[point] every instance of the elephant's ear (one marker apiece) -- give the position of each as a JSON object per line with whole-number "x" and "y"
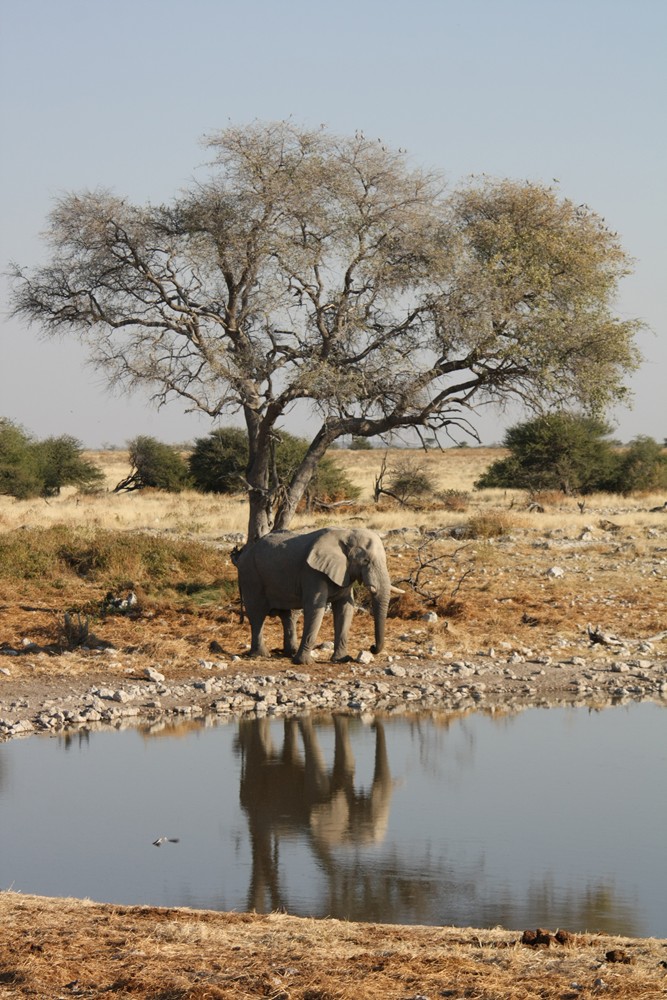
{"x": 328, "y": 557}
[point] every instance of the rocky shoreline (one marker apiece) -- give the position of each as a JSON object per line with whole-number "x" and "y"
{"x": 496, "y": 680}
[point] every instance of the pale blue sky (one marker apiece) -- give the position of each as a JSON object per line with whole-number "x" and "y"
{"x": 118, "y": 93}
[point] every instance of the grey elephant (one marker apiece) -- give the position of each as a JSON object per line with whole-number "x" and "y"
{"x": 284, "y": 571}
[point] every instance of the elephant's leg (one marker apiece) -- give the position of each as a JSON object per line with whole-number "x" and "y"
{"x": 318, "y": 780}
{"x": 344, "y": 763}
{"x": 290, "y": 644}
{"x": 258, "y": 646}
{"x": 343, "y": 611}
{"x": 312, "y": 621}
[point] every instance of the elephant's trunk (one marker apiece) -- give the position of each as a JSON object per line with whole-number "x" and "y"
{"x": 379, "y": 604}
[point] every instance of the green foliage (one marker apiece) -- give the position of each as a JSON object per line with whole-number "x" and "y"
{"x": 30, "y": 468}
{"x": 642, "y": 467}
{"x": 155, "y": 465}
{"x": 218, "y": 465}
{"x": 561, "y": 451}
{"x": 61, "y": 463}
{"x": 19, "y": 476}
{"x": 360, "y": 444}
{"x": 569, "y": 452}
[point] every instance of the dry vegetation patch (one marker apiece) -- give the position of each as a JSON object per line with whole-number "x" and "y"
{"x": 169, "y": 954}
{"x": 485, "y": 569}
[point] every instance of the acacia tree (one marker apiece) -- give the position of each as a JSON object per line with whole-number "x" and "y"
{"x": 310, "y": 267}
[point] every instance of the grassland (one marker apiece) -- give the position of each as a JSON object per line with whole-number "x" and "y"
{"x": 481, "y": 560}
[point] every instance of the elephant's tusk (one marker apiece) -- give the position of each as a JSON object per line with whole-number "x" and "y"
{"x": 373, "y": 589}
{"x": 395, "y": 590}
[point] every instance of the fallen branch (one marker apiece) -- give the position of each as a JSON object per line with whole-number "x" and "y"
{"x": 332, "y": 506}
{"x": 596, "y": 635}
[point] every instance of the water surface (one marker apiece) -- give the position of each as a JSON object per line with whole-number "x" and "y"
{"x": 550, "y": 818}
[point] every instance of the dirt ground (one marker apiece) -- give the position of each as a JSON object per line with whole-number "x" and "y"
{"x": 567, "y": 606}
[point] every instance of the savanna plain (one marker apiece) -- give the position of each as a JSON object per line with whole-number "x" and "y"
{"x": 552, "y": 599}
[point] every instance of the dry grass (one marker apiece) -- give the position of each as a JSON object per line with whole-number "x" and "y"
{"x": 173, "y": 954}
{"x": 489, "y": 581}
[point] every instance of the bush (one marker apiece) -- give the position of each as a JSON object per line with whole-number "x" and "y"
{"x": 455, "y": 500}
{"x": 360, "y": 444}
{"x": 218, "y": 465}
{"x": 642, "y": 467}
{"x": 61, "y": 463}
{"x": 30, "y": 468}
{"x": 155, "y": 465}
{"x": 559, "y": 451}
{"x": 410, "y": 480}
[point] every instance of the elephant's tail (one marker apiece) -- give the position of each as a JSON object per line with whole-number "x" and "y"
{"x": 234, "y": 556}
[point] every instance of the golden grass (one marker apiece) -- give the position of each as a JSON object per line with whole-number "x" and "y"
{"x": 486, "y": 583}
{"x": 209, "y": 516}
{"x": 173, "y": 954}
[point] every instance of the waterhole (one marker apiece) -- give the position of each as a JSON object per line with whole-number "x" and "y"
{"x": 546, "y": 817}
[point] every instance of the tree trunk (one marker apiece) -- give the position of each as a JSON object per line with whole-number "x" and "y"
{"x": 259, "y": 514}
{"x": 258, "y": 478}
{"x": 301, "y": 479}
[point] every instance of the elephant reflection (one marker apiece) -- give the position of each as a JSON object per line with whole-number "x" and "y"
{"x": 290, "y": 791}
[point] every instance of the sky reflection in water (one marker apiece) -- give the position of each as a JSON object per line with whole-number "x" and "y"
{"x": 550, "y": 818}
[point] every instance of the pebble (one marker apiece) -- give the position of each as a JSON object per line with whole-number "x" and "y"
{"x": 418, "y": 684}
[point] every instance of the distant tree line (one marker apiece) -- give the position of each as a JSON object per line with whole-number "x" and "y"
{"x": 218, "y": 464}
{"x": 562, "y": 451}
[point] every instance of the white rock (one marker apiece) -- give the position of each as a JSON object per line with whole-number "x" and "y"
{"x": 555, "y": 572}
{"x": 396, "y": 670}
{"x": 153, "y": 675}
{"x": 121, "y": 696}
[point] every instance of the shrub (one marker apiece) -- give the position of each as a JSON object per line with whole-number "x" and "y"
{"x": 30, "y": 468}
{"x": 561, "y": 451}
{"x": 410, "y": 480}
{"x": 454, "y": 500}
{"x": 218, "y": 465}
{"x": 642, "y": 467}
{"x": 61, "y": 463}
{"x": 493, "y": 524}
{"x": 155, "y": 465}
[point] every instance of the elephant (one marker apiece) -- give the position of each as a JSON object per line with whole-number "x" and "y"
{"x": 285, "y": 571}
{"x": 287, "y": 791}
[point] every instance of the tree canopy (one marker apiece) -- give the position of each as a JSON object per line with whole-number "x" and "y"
{"x": 315, "y": 268}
